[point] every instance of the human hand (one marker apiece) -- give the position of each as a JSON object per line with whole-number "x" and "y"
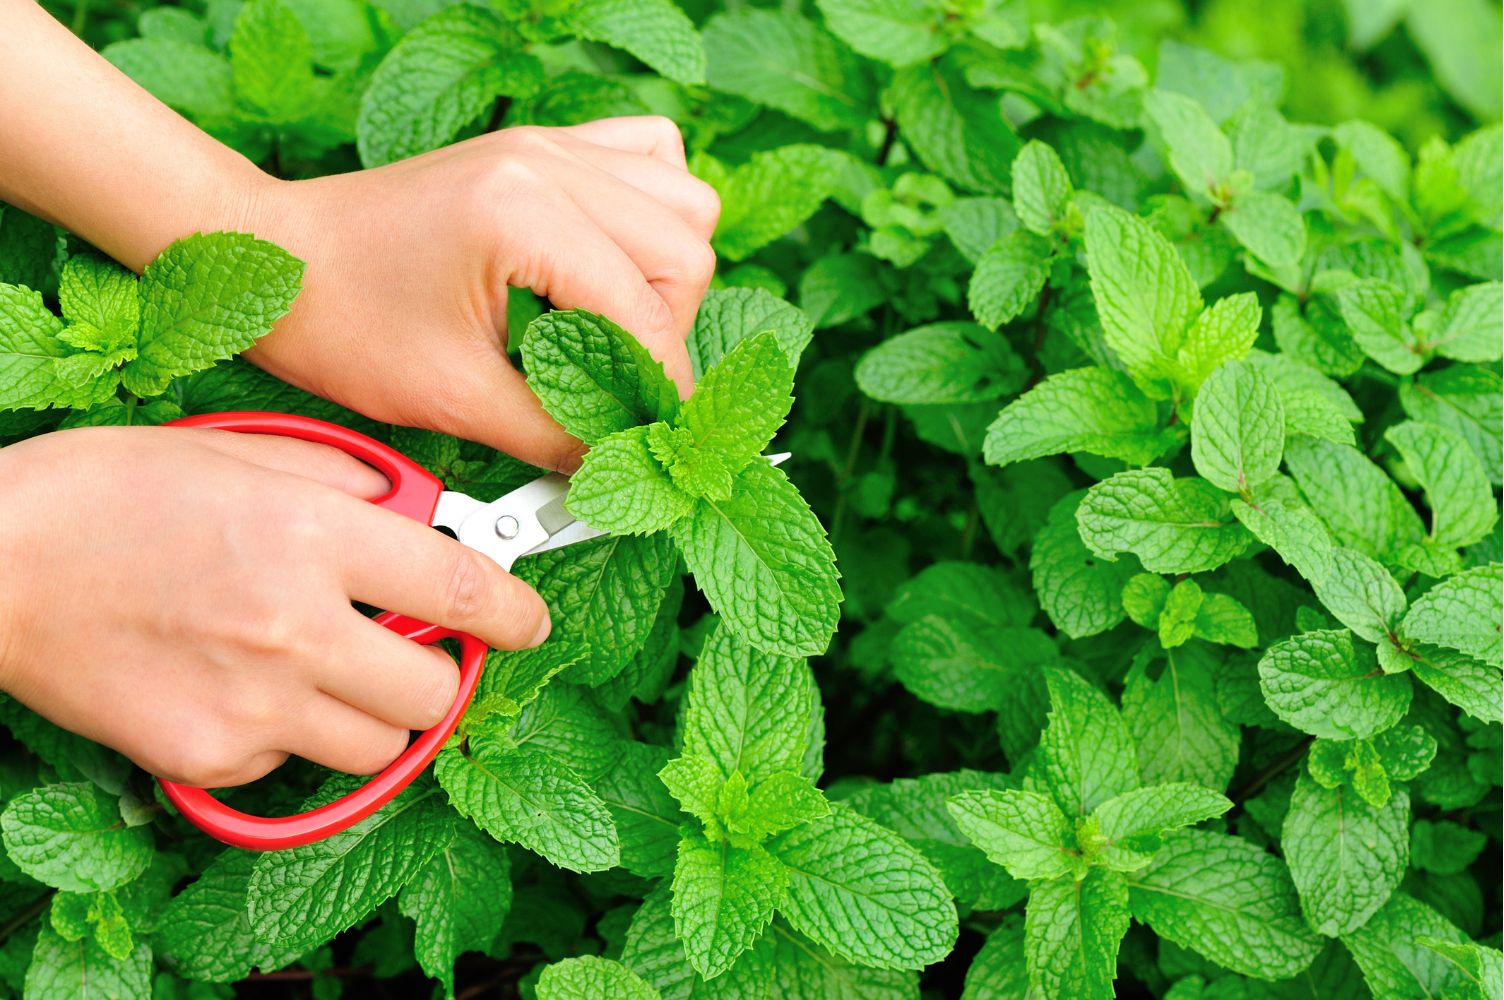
{"x": 184, "y": 597}
{"x": 403, "y": 310}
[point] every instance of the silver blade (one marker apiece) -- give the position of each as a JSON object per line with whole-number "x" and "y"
{"x": 528, "y": 520}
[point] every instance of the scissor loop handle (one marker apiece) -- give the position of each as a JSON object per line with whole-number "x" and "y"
{"x": 414, "y": 492}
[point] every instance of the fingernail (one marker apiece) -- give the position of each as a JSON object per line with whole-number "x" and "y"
{"x": 544, "y": 627}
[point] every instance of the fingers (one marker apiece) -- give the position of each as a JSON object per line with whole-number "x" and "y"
{"x": 686, "y": 195}
{"x": 582, "y": 267}
{"x": 407, "y": 567}
{"x": 384, "y": 675}
{"x": 649, "y": 135}
{"x": 318, "y": 462}
{"x": 523, "y": 428}
{"x": 344, "y": 738}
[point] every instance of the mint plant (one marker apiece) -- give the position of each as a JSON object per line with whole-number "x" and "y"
{"x": 1148, "y": 400}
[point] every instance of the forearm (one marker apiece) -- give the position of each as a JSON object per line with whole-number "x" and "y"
{"x": 85, "y": 147}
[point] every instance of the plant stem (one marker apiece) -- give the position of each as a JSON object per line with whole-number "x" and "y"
{"x": 1274, "y": 770}
{"x": 890, "y": 136}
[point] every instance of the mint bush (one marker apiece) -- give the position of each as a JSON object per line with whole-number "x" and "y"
{"x": 1151, "y": 402}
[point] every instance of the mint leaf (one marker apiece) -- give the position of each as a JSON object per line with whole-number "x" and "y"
{"x": 774, "y": 192}
{"x": 1345, "y": 856}
{"x": 621, "y": 488}
{"x": 1238, "y": 434}
{"x": 204, "y": 298}
{"x": 1072, "y": 931}
{"x": 728, "y": 316}
{"x": 1395, "y": 963}
{"x": 1042, "y": 189}
{"x": 205, "y": 931}
{"x": 590, "y": 976}
{"x": 646, "y": 816}
{"x": 1460, "y": 613}
{"x": 1085, "y": 756}
{"x": 957, "y": 131}
{"x": 741, "y": 402}
{"x": 38, "y": 369}
{"x": 82, "y": 968}
{"x": 185, "y": 76}
{"x": 1025, "y": 832}
{"x": 1470, "y": 684}
{"x": 1470, "y": 328}
{"x": 1172, "y": 525}
{"x": 1357, "y": 501}
{"x": 1200, "y": 154}
{"x": 302, "y": 897}
{"x": 1177, "y": 722}
{"x": 1226, "y": 899}
{"x": 783, "y": 60}
{"x": 949, "y": 362}
{"x": 1144, "y": 294}
{"x": 1374, "y": 311}
{"x": 1324, "y": 684}
{"x": 724, "y": 898}
{"x": 593, "y": 377}
{"x": 1457, "y": 489}
{"x": 655, "y": 31}
{"x": 896, "y": 33}
{"x": 1094, "y": 410}
{"x": 965, "y": 667}
{"x": 528, "y": 797}
{"x": 458, "y": 900}
{"x": 764, "y": 564}
{"x": 100, "y": 297}
{"x": 747, "y": 711}
{"x": 1268, "y": 226}
{"x": 863, "y": 892}
{"x": 1008, "y": 278}
{"x": 1079, "y": 592}
{"x": 441, "y": 75}
{"x": 1224, "y": 331}
{"x": 71, "y": 836}
{"x": 1362, "y": 595}
{"x": 271, "y": 61}
{"x": 1124, "y": 833}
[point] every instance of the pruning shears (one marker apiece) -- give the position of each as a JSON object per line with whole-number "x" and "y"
{"x": 529, "y": 519}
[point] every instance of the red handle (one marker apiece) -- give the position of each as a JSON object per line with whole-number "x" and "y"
{"x": 414, "y": 493}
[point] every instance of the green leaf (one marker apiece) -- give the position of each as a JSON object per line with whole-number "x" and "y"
{"x": 1126, "y": 830}
{"x": 772, "y": 193}
{"x": 301, "y": 897}
{"x": 1095, "y": 410}
{"x": 1176, "y": 722}
{"x": 1378, "y": 155}
{"x": 528, "y": 797}
{"x": 621, "y": 488}
{"x": 1345, "y": 855}
{"x": 741, "y": 402}
{"x": 441, "y": 76}
{"x": 1362, "y": 506}
{"x": 71, "y": 836}
{"x": 1394, "y": 962}
{"x": 458, "y": 900}
{"x": 863, "y": 892}
{"x": 1471, "y": 327}
{"x": 696, "y": 472}
{"x": 1200, "y": 154}
{"x": 777, "y": 803}
{"x": 1172, "y": 525}
{"x": 1362, "y": 595}
{"x": 1072, "y": 931}
{"x": 1238, "y": 434}
{"x": 1224, "y": 331}
{"x": 185, "y": 76}
{"x": 1078, "y": 591}
{"x": 1268, "y": 226}
{"x": 593, "y": 377}
{"x": 604, "y": 595}
{"x": 1177, "y": 619}
{"x": 1085, "y": 756}
{"x": 728, "y": 316}
{"x": 204, "y": 298}
{"x": 896, "y": 32}
{"x": 82, "y": 968}
{"x": 590, "y": 976}
{"x": 1025, "y": 832}
{"x": 783, "y": 60}
{"x": 1373, "y": 310}
{"x": 271, "y": 62}
{"x": 1042, "y": 190}
{"x": 1314, "y": 404}
{"x": 655, "y": 31}
{"x": 1478, "y": 964}
{"x": 1457, "y": 41}
{"x": 1008, "y": 279}
{"x": 956, "y": 131}
{"x": 746, "y": 710}
{"x": 645, "y": 814}
{"x": 1470, "y": 684}
{"x": 966, "y": 667}
{"x": 946, "y": 362}
{"x": 101, "y": 295}
{"x": 1457, "y": 489}
{"x": 764, "y": 564}
{"x": 38, "y": 369}
{"x": 724, "y": 898}
{"x": 1462, "y": 613}
{"x": 1145, "y": 296}
{"x": 205, "y": 932}
{"x": 1322, "y": 683}
{"x": 1228, "y": 900}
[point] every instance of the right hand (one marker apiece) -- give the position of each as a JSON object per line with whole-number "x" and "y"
{"x": 184, "y": 596}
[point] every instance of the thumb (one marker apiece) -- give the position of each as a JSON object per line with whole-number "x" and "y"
{"x": 503, "y": 412}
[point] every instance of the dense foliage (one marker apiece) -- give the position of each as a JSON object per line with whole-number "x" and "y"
{"x": 1157, "y": 435}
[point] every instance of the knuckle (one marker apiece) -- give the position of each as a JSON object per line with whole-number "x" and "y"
{"x": 434, "y": 693}
{"x": 654, "y": 314}
{"x": 467, "y": 590}
{"x": 704, "y": 206}
{"x": 665, "y": 130}
{"x": 203, "y": 757}
{"x": 377, "y": 752}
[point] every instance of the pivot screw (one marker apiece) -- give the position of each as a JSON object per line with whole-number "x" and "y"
{"x": 507, "y": 527}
